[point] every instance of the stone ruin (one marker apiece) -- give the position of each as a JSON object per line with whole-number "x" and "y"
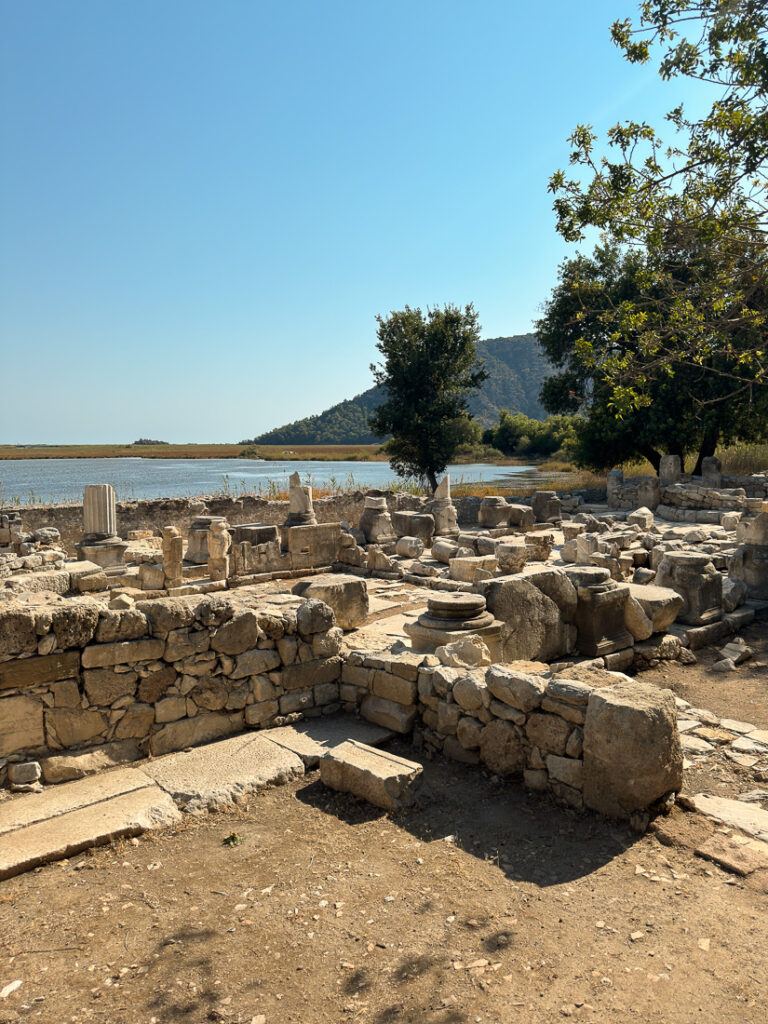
{"x": 518, "y": 628}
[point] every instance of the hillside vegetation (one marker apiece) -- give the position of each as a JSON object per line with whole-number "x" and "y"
{"x": 516, "y": 369}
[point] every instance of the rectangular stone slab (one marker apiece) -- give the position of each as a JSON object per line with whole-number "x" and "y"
{"x": 34, "y": 671}
{"x": 382, "y": 779}
{"x": 747, "y": 817}
{"x": 312, "y": 739}
{"x": 221, "y": 774}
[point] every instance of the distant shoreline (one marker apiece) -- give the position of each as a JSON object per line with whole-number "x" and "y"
{"x": 267, "y": 452}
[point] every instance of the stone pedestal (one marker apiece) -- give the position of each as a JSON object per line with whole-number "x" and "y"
{"x": 197, "y": 538}
{"x": 301, "y": 511}
{"x": 441, "y": 507}
{"x": 218, "y": 547}
{"x": 600, "y": 619}
{"x": 100, "y": 543}
{"x": 750, "y": 563}
{"x": 547, "y": 507}
{"x": 173, "y": 550}
{"x": 493, "y": 512}
{"x": 512, "y": 554}
{"x": 414, "y": 524}
{"x": 670, "y": 470}
{"x": 451, "y": 617}
{"x": 695, "y": 579}
{"x": 376, "y": 524}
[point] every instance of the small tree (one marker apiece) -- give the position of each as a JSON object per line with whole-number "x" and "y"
{"x": 429, "y": 369}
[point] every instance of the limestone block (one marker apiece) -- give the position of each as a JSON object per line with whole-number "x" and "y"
{"x": 468, "y": 650}
{"x": 310, "y": 673}
{"x": 386, "y": 713}
{"x": 22, "y": 725}
{"x": 136, "y": 723}
{"x": 314, "y": 616}
{"x": 533, "y": 628}
{"x": 260, "y": 714}
{"x": 547, "y": 732}
{"x": 297, "y": 701}
{"x": 470, "y": 570}
{"x": 401, "y": 691}
{"x": 36, "y": 671}
{"x": 546, "y": 507}
{"x": 151, "y": 576}
{"x": 76, "y": 727}
{"x": 255, "y": 662}
{"x": 517, "y": 689}
{"x": 346, "y": 595}
{"x": 660, "y": 604}
{"x": 444, "y": 550}
{"x": 735, "y": 593}
{"x": 511, "y": 554}
{"x": 642, "y": 517}
{"x": 382, "y": 779}
{"x": 191, "y": 732}
{"x": 121, "y": 624}
{"x": 468, "y": 732}
{"x": 521, "y": 516}
{"x": 125, "y": 653}
{"x": 567, "y": 770}
{"x": 18, "y": 632}
{"x": 670, "y": 470}
{"x": 632, "y": 754}
{"x": 493, "y": 512}
{"x": 636, "y": 621}
{"x": 414, "y": 524}
{"x": 471, "y": 692}
{"x": 448, "y": 715}
{"x": 103, "y": 686}
{"x": 501, "y": 748}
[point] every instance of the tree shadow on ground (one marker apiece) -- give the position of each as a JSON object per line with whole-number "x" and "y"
{"x": 529, "y": 836}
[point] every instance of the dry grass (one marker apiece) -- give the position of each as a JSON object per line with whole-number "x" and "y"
{"x": 301, "y": 453}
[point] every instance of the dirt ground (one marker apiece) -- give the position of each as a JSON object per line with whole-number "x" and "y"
{"x": 484, "y": 904}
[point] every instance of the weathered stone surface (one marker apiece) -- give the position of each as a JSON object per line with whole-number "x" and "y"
{"x": 386, "y": 713}
{"x": 382, "y": 779}
{"x": 125, "y": 653}
{"x": 104, "y": 687}
{"x": 67, "y": 767}
{"x": 468, "y": 732}
{"x": 183, "y": 643}
{"x": 261, "y": 714}
{"x": 121, "y": 624}
{"x": 255, "y": 663}
{"x": 346, "y": 595}
{"x": 240, "y": 634}
{"x": 191, "y": 732}
{"x": 21, "y": 728}
{"x": 311, "y": 673}
{"x": 165, "y": 614}
{"x": 314, "y": 617}
{"x": 660, "y": 604}
{"x": 74, "y": 623}
{"x": 47, "y": 668}
{"x": 17, "y": 630}
{"x": 136, "y": 723}
{"x": 210, "y": 693}
{"x": 632, "y": 754}
{"x": 75, "y": 727}
{"x": 570, "y": 691}
{"x": 636, "y": 621}
{"x": 547, "y": 732}
{"x": 408, "y": 547}
{"x": 468, "y": 650}
{"x": 154, "y": 685}
{"x": 567, "y": 770}
{"x": 471, "y": 692}
{"x": 533, "y": 624}
{"x": 392, "y": 687}
{"x": 501, "y": 748}
{"x": 518, "y": 689}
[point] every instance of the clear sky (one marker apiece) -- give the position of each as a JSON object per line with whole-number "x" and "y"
{"x": 204, "y": 205}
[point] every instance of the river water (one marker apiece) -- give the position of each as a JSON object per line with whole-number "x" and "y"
{"x": 47, "y": 481}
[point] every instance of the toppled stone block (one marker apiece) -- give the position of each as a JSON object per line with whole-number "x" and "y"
{"x": 382, "y": 779}
{"x": 388, "y": 714}
{"x": 469, "y": 650}
{"x": 346, "y": 595}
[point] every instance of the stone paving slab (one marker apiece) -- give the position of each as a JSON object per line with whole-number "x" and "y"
{"x": 382, "y": 779}
{"x": 313, "y": 738}
{"x": 750, "y": 819}
{"x": 72, "y": 796}
{"x": 123, "y": 814}
{"x": 219, "y": 774}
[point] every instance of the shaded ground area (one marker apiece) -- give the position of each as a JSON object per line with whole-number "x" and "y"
{"x": 485, "y": 904}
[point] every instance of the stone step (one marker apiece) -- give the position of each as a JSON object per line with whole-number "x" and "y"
{"x": 223, "y": 773}
{"x": 312, "y": 739}
{"x": 37, "y": 829}
{"x": 382, "y": 779}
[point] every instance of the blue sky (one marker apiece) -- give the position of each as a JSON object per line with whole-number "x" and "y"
{"x": 203, "y": 206}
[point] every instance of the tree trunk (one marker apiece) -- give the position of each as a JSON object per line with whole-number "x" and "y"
{"x": 707, "y": 448}
{"x": 432, "y": 479}
{"x": 652, "y": 455}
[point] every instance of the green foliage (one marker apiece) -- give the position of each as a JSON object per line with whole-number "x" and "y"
{"x": 517, "y": 434}
{"x": 250, "y": 452}
{"x": 146, "y": 440}
{"x": 696, "y": 213}
{"x": 429, "y": 369}
{"x": 681, "y": 408}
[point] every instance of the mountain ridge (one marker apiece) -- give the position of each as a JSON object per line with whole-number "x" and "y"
{"x": 516, "y": 368}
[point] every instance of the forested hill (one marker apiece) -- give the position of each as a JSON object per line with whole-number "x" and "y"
{"x": 515, "y": 368}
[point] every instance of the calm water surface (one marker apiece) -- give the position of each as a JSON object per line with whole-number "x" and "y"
{"x": 56, "y": 480}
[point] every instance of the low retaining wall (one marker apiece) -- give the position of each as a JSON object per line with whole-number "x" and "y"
{"x": 176, "y": 672}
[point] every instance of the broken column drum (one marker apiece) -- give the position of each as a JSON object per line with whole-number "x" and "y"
{"x": 376, "y": 523}
{"x": 100, "y": 542}
{"x": 218, "y": 548}
{"x": 600, "y": 618}
{"x": 452, "y": 617}
{"x": 695, "y": 579}
{"x": 493, "y": 512}
{"x": 443, "y": 510}
{"x": 546, "y": 507}
{"x": 301, "y": 511}
{"x": 173, "y": 546}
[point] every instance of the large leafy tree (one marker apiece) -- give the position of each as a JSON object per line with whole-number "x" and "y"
{"x": 706, "y": 194}
{"x": 682, "y": 408}
{"x": 429, "y": 369}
